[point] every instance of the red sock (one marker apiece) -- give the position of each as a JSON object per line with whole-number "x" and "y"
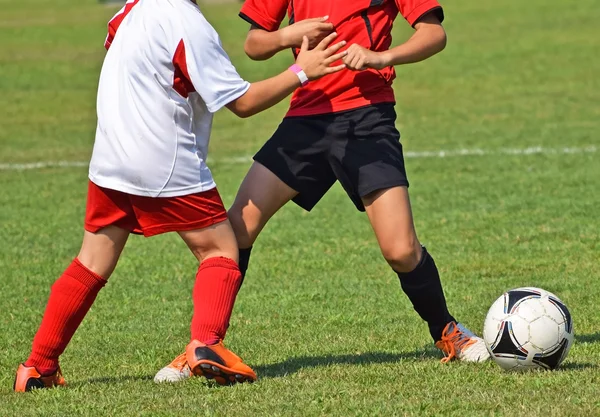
{"x": 217, "y": 284}
{"x": 70, "y": 299}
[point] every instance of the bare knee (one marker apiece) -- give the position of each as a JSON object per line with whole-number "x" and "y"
{"x": 245, "y": 224}
{"x": 403, "y": 257}
{"x": 98, "y": 265}
{"x": 214, "y": 241}
{"x": 100, "y": 251}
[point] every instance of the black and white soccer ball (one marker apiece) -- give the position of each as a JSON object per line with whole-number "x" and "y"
{"x": 528, "y": 328}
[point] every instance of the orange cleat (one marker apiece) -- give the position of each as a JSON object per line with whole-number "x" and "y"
{"x": 29, "y": 378}
{"x": 218, "y": 363}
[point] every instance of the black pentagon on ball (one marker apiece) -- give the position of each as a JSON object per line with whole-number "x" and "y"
{"x": 517, "y": 296}
{"x": 505, "y": 345}
{"x": 565, "y": 312}
{"x": 553, "y": 359}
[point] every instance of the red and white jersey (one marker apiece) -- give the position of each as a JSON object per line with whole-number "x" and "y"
{"x": 164, "y": 75}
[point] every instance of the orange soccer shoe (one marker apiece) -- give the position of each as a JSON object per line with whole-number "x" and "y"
{"x": 29, "y": 378}
{"x": 460, "y": 343}
{"x": 218, "y": 363}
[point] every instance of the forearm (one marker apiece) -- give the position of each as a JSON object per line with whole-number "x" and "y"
{"x": 422, "y": 45}
{"x": 261, "y": 45}
{"x": 264, "y": 94}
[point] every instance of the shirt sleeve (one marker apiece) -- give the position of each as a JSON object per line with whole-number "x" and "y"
{"x": 210, "y": 70}
{"x": 265, "y": 14}
{"x": 413, "y": 10}
{"x": 116, "y": 21}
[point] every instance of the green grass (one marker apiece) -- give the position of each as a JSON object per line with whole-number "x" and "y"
{"x": 321, "y": 317}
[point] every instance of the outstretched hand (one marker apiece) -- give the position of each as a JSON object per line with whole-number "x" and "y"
{"x": 317, "y": 62}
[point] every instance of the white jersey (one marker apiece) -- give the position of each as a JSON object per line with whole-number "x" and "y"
{"x": 164, "y": 75}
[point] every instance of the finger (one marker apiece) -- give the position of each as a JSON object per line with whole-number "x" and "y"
{"x": 314, "y": 19}
{"x": 350, "y": 57}
{"x": 334, "y": 58}
{"x": 353, "y": 47}
{"x": 356, "y": 63}
{"x": 331, "y": 70}
{"x": 325, "y": 42}
{"x": 333, "y": 49}
{"x": 360, "y": 65}
{"x": 325, "y": 27}
{"x": 304, "y": 46}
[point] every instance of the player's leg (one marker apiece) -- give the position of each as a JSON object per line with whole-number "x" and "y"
{"x": 107, "y": 224}
{"x": 369, "y": 164}
{"x": 217, "y": 283}
{"x": 390, "y": 215}
{"x": 217, "y": 280}
{"x": 201, "y": 221}
{"x": 259, "y": 197}
{"x": 292, "y": 165}
{"x": 70, "y": 299}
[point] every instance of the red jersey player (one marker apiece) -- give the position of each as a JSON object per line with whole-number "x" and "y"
{"x": 342, "y": 128}
{"x": 164, "y": 76}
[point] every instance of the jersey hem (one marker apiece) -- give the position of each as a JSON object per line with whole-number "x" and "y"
{"x": 327, "y": 109}
{"x": 129, "y": 189}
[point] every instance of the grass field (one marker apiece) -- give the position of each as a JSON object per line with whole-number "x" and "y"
{"x": 321, "y": 317}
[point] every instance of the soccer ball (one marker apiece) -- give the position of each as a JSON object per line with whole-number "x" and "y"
{"x": 528, "y": 328}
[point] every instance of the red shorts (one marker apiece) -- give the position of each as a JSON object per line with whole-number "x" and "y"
{"x": 151, "y": 216}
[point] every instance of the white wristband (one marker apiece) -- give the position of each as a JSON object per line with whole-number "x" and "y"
{"x": 300, "y": 73}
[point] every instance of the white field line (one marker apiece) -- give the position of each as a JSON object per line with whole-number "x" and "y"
{"x": 535, "y": 150}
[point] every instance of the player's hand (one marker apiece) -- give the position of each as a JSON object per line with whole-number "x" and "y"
{"x": 314, "y": 29}
{"x": 359, "y": 59}
{"x": 317, "y": 62}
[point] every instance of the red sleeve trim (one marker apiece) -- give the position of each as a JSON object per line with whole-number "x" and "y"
{"x": 255, "y": 17}
{"x": 116, "y": 21}
{"x": 181, "y": 78}
{"x": 422, "y": 9}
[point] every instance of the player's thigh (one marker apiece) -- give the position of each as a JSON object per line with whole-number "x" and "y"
{"x": 259, "y": 197}
{"x": 369, "y": 163}
{"x": 390, "y": 214}
{"x": 216, "y": 240}
{"x": 109, "y": 219}
{"x": 369, "y": 157}
{"x": 291, "y": 165}
{"x": 100, "y": 251}
{"x": 199, "y": 218}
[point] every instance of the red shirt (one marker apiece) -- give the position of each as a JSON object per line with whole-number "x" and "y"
{"x": 364, "y": 22}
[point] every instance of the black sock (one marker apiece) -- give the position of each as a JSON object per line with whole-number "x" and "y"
{"x": 424, "y": 289}
{"x": 244, "y": 255}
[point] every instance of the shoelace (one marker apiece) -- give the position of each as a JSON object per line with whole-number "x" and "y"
{"x": 179, "y": 362}
{"x": 451, "y": 342}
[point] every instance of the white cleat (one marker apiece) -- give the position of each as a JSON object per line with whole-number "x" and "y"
{"x": 460, "y": 343}
{"x": 176, "y": 371}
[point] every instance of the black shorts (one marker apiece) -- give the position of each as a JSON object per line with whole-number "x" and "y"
{"x": 360, "y": 148}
